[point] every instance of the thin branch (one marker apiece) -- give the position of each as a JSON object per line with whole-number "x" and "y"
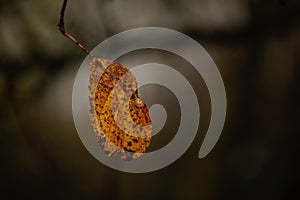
{"x": 61, "y": 27}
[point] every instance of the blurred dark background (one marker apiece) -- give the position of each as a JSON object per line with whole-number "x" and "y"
{"x": 255, "y": 44}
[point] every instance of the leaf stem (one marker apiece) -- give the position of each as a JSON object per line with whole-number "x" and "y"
{"x": 61, "y": 27}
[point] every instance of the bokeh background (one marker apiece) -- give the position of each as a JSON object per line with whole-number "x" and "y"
{"x": 255, "y": 44}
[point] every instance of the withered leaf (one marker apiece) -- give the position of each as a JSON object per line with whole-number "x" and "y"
{"x": 119, "y": 118}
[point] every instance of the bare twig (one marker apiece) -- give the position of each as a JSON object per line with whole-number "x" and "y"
{"x": 61, "y": 27}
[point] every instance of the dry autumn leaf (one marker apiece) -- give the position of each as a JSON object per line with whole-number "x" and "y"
{"x": 120, "y": 119}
